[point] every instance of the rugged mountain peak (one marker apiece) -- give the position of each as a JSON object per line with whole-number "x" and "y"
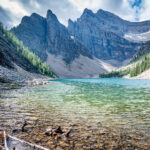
{"x": 24, "y": 19}
{"x": 70, "y": 21}
{"x": 70, "y": 24}
{"x": 103, "y": 12}
{"x": 107, "y": 15}
{"x": 98, "y": 34}
{"x": 102, "y": 33}
{"x": 51, "y": 16}
{"x": 35, "y": 15}
{"x": 87, "y": 13}
{"x": 49, "y": 12}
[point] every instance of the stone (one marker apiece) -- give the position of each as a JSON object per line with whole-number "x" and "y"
{"x": 23, "y": 126}
{"x": 50, "y": 132}
{"x": 67, "y": 134}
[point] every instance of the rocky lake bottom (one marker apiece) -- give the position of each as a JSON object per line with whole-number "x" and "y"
{"x": 80, "y": 114}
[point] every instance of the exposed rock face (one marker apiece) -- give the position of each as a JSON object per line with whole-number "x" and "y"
{"x": 117, "y": 25}
{"x": 59, "y": 41}
{"x": 102, "y": 33}
{"x": 32, "y": 31}
{"x": 47, "y": 34}
{"x": 94, "y": 37}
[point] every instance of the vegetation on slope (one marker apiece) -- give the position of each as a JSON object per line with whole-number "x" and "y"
{"x": 141, "y": 61}
{"x": 141, "y": 66}
{"x": 33, "y": 59}
{"x": 115, "y": 74}
{"x": 143, "y": 51}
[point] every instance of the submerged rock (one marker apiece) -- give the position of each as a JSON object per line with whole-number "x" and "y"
{"x": 59, "y": 130}
{"x": 56, "y": 131}
{"x": 67, "y": 134}
{"x": 23, "y": 126}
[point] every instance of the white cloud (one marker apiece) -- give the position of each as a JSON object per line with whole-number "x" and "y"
{"x": 14, "y": 7}
{"x": 144, "y": 13}
{"x": 121, "y": 8}
{"x": 65, "y": 9}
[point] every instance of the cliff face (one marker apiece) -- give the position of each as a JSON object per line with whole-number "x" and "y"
{"x": 103, "y": 34}
{"x": 32, "y": 31}
{"x": 59, "y": 41}
{"x": 116, "y": 24}
{"x": 43, "y": 35}
{"x": 93, "y": 37}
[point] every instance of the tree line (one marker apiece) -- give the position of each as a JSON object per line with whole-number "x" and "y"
{"x": 33, "y": 59}
{"x": 141, "y": 67}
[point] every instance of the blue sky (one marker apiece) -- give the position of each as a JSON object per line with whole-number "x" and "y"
{"x": 11, "y": 11}
{"x": 136, "y": 3}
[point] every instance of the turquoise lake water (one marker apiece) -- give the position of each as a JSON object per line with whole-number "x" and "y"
{"x": 122, "y": 105}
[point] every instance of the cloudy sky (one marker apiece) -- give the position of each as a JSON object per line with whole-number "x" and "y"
{"x": 11, "y": 11}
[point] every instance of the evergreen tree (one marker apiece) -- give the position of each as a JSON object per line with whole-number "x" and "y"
{"x": 33, "y": 59}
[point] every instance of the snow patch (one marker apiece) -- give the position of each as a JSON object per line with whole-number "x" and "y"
{"x": 72, "y": 37}
{"x": 140, "y": 37}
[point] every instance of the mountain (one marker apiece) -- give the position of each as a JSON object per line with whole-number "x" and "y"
{"x": 43, "y": 35}
{"x": 138, "y": 68}
{"x": 95, "y": 43}
{"x": 32, "y": 31}
{"x": 104, "y": 34}
{"x": 17, "y": 63}
{"x": 52, "y": 42}
{"x": 110, "y": 22}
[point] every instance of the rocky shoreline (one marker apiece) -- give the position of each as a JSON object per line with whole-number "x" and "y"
{"x": 74, "y": 137}
{"x": 14, "y": 79}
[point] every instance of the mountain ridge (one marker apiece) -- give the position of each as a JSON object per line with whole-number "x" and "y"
{"x": 102, "y": 39}
{"x": 93, "y": 35}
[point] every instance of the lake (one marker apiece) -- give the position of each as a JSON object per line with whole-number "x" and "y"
{"x": 102, "y": 113}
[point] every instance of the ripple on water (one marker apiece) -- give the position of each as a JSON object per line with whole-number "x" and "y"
{"x": 102, "y": 112}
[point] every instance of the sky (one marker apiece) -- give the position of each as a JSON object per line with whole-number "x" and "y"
{"x": 12, "y": 11}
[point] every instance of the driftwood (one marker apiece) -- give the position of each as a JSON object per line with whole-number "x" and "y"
{"x": 5, "y": 141}
{"x": 2, "y": 140}
{"x": 21, "y": 141}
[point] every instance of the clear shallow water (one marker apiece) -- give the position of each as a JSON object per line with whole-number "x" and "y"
{"x": 116, "y": 106}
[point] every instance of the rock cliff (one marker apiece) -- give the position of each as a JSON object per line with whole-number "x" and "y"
{"x": 93, "y": 38}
